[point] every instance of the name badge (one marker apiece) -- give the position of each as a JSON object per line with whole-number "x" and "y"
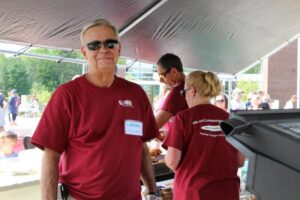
{"x": 133, "y": 127}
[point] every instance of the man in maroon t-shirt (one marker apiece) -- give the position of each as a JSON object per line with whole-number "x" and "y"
{"x": 94, "y": 128}
{"x": 170, "y": 71}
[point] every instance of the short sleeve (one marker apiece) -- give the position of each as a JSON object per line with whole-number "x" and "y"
{"x": 53, "y": 128}
{"x": 175, "y": 138}
{"x": 174, "y": 101}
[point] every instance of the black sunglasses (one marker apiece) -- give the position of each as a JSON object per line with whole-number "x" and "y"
{"x": 182, "y": 92}
{"x": 163, "y": 75}
{"x": 109, "y": 44}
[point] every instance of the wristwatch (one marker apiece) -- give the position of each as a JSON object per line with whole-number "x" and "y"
{"x": 155, "y": 193}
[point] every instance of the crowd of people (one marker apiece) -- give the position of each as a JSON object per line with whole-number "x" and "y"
{"x": 257, "y": 100}
{"x": 8, "y": 138}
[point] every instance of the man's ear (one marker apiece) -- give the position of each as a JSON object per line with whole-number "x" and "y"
{"x": 83, "y": 51}
{"x": 173, "y": 70}
{"x": 193, "y": 90}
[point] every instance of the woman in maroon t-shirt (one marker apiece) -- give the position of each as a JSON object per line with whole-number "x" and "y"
{"x": 205, "y": 164}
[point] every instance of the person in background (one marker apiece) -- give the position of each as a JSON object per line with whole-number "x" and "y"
{"x": 248, "y": 103}
{"x": 2, "y": 120}
{"x": 12, "y": 107}
{"x": 268, "y": 100}
{"x": 94, "y": 128}
{"x": 8, "y": 141}
{"x": 2, "y": 99}
{"x": 2, "y": 116}
{"x": 236, "y": 101}
{"x": 264, "y": 100}
{"x": 170, "y": 71}
{"x": 205, "y": 164}
{"x": 36, "y": 106}
{"x": 221, "y": 101}
{"x": 256, "y": 102}
{"x": 292, "y": 103}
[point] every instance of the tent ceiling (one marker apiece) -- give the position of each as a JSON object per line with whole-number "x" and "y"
{"x": 221, "y": 36}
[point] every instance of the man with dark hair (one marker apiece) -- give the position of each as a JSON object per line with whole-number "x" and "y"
{"x": 169, "y": 61}
{"x": 170, "y": 71}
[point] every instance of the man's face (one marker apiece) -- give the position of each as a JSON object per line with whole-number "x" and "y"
{"x": 164, "y": 75}
{"x": 104, "y": 57}
{"x": 238, "y": 96}
{"x": 220, "y": 101}
{"x": 8, "y": 145}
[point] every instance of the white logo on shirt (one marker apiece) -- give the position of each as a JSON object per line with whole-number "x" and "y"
{"x": 205, "y": 120}
{"x": 212, "y": 135}
{"x": 215, "y": 131}
{"x": 126, "y": 103}
{"x": 212, "y": 129}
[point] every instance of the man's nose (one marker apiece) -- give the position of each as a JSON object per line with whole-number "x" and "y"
{"x": 103, "y": 48}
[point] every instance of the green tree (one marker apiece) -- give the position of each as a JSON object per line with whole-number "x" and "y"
{"x": 46, "y": 75}
{"x": 15, "y": 76}
{"x": 41, "y": 92}
{"x": 2, "y": 74}
{"x": 50, "y": 73}
{"x": 247, "y": 87}
{"x": 26, "y": 74}
{"x": 256, "y": 69}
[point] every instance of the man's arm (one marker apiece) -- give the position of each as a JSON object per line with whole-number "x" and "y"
{"x": 162, "y": 117}
{"x": 49, "y": 174}
{"x": 147, "y": 173}
{"x": 172, "y": 158}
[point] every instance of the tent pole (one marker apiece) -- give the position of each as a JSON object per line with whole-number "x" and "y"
{"x": 298, "y": 71}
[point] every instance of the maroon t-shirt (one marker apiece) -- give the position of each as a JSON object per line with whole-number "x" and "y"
{"x": 174, "y": 101}
{"x": 208, "y": 166}
{"x": 86, "y": 124}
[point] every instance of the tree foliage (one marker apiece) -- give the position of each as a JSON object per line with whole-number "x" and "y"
{"x": 256, "y": 69}
{"x": 37, "y": 77}
{"x": 247, "y": 87}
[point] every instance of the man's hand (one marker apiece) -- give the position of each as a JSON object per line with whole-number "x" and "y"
{"x": 147, "y": 173}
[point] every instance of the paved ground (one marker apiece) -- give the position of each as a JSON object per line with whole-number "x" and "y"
{"x": 25, "y": 125}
